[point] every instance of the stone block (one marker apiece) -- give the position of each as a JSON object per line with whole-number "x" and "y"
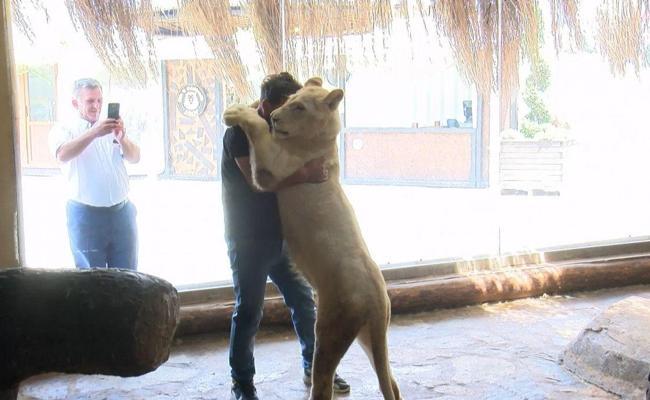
{"x": 613, "y": 351}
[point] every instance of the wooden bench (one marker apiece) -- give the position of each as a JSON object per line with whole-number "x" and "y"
{"x": 531, "y": 166}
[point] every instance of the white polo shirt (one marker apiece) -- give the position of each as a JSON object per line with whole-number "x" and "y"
{"x": 96, "y": 177}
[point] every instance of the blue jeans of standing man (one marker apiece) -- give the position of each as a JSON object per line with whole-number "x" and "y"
{"x": 102, "y": 237}
{"x": 252, "y": 261}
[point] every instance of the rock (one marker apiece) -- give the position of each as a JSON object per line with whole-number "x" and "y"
{"x": 613, "y": 351}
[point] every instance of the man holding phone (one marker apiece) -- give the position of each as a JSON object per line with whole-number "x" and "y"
{"x": 101, "y": 220}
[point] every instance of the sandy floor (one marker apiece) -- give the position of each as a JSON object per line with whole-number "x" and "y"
{"x": 493, "y": 351}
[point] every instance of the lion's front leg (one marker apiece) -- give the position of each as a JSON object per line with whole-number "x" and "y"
{"x": 270, "y": 162}
{"x": 248, "y": 119}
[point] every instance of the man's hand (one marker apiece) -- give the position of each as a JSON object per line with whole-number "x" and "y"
{"x": 120, "y": 132}
{"x": 315, "y": 171}
{"x": 130, "y": 150}
{"x": 71, "y": 149}
{"x": 104, "y": 127}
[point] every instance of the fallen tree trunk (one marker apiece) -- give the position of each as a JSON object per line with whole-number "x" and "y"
{"x": 455, "y": 290}
{"x": 97, "y": 321}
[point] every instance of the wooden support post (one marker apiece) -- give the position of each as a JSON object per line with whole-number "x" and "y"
{"x": 10, "y": 227}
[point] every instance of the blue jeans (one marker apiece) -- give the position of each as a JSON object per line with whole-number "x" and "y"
{"x": 102, "y": 237}
{"x": 252, "y": 261}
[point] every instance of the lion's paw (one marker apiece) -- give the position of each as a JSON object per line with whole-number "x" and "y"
{"x": 236, "y": 114}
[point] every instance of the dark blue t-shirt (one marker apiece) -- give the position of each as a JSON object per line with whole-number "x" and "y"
{"x": 247, "y": 214}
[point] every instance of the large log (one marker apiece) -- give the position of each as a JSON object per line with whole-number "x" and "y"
{"x": 518, "y": 283}
{"x": 98, "y": 321}
{"x": 455, "y": 290}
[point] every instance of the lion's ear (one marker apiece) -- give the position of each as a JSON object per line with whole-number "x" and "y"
{"x": 334, "y": 98}
{"x": 314, "y": 81}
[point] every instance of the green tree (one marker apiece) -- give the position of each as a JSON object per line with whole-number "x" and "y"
{"x": 536, "y": 83}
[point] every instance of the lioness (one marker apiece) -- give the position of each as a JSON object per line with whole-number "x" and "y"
{"x": 321, "y": 231}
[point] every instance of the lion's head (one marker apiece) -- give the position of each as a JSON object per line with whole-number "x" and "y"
{"x": 309, "y": 114}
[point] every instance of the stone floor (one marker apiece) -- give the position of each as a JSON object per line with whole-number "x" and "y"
{"x": 492, "y": 351}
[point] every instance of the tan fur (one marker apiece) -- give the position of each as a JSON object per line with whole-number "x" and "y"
{"x": 322, "y": 233}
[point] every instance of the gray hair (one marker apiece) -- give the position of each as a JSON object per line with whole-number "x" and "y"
{"x": 85, "y": 83}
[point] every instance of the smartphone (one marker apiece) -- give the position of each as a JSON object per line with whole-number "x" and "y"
{"x": 113, "y": 110}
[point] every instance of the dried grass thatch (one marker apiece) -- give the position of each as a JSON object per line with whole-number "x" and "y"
{"x": 309, "y": 36}
{"x": 520, "y": 39}
{"x": 20, "y": 8}
{"x": 471, "y": 29}
{"x": 213, "y": 20}
{"x": 266, "y": 21}
{"x": 565, "y": 18}
{"x": 121, "y": 32}
{"x": 315, "y": 31}
{"x": 623, "y": 29}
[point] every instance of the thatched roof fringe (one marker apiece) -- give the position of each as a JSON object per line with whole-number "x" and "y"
{"x": 321, "y": 27}
{"x": 266, "y": 19}
{"x": 19, "y": 9}
{"x": 470, "y": 29}
{"x": 520, "y": 39}
{"x": 565, "y": 17}
{"x": 316, "y": 33}
{"x": 622, "y": 36}
{"x": 121, "y": 34}
{"x": 213, "y": 20}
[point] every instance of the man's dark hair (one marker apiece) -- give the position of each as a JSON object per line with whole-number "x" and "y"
{"x": 277, "y": 87}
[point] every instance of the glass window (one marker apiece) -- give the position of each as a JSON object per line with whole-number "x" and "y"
{"x": 573, "y": 169}
{"x": 429, "y": 173}
{"x": 383, "y": 96}
{"x": 41, "y": 87}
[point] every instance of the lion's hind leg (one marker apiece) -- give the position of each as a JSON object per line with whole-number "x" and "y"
{"x": 373, "y": 341}
{"x": 334, "y": 335}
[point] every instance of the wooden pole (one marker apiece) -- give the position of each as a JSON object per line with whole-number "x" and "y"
{"x": 11, "y": 251}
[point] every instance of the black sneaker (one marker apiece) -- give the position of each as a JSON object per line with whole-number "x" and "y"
{"x": 243, "y": 391}
{"x": 339, "y": 385}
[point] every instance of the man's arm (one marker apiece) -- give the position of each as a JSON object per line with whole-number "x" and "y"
{"x": 244, "y": 164}
{"x": 130, "y": 150}
{"x": 312, "y": 172}
{"x": 71, "y": 149}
